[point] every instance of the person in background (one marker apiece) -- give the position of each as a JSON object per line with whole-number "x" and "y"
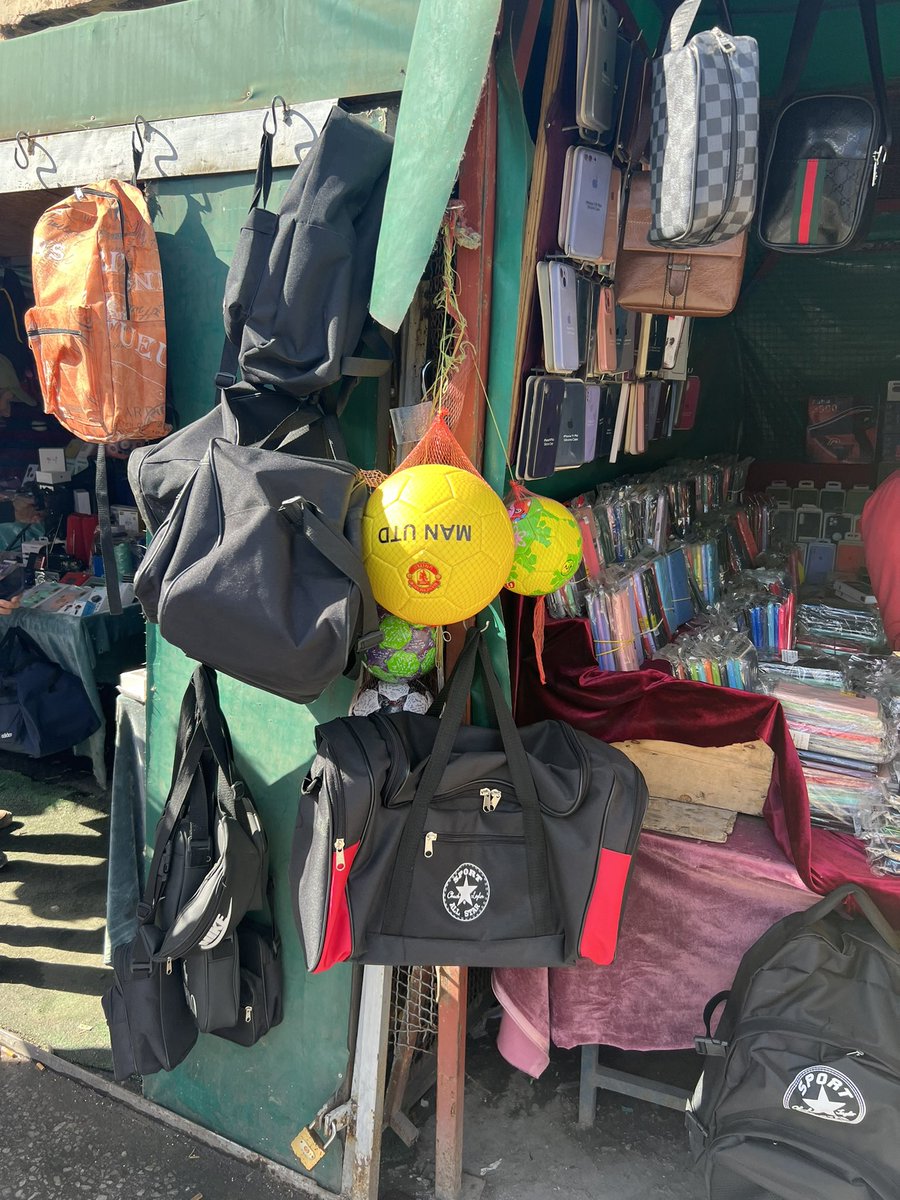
{"x": 880, "y": 529}
{"x": 6, "y": 608}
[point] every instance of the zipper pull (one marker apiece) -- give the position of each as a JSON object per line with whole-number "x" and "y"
{"x": 340, "y": 862}
{"x": 726, "y": 45}
{"x": 485, "y": 795}
{"x": 430, "y": 839}
{"x": 168, "y": 966}
{"x": 495, "y": 798}
{"x": 248, "y": 1013}
{"x": 879, "y": 157}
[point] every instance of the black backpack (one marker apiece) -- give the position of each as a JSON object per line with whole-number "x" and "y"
{"x": 800, "y": 1093}
{"x": 297, "y": 293}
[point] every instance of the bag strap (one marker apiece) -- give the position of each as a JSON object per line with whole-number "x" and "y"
{"x": 263, "y": 180}
{"x": 869, "y": 12}
{"x": 307, "y": 520}
{"x": 802, "y": 34}
{"x": 457, "y": 695}
{"x": 680, "y": 25}
{"x": 110, "y": 569}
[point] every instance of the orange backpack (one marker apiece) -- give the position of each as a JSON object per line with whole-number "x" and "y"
{"x": 98, "y": 329}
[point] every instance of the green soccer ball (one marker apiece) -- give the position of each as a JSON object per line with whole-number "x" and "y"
{"x": 406, "y": 651}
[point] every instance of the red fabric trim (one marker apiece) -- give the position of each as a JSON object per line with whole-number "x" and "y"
{"x": 807, "y": 203}
{"x": 338, "y": 944}
{"x": 601, "y": 921}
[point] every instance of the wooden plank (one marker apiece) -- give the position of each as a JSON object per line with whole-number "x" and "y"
{"x": 697, "y": 821}
{"x": 362, "y": 1152}
{"x": 733, "y": 777}
{"x": 451, "y": 1076}
{"x": 209, "y": 145}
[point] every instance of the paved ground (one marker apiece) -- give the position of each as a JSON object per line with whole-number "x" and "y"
{"x": 52, "y": 908}
{"x": 62, "y": 1141}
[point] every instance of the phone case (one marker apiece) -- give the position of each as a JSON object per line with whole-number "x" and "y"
{"x": 563, "y": 316}
{"x": 606, "y": 330}
{"x": 525, "y": 424}
{"x": 690, "y": 402}
{"x": 820, "y": 558}
{"x": 585, "y": 223}
{"x": 609, "y": 404}
{"x": 643, "y": 345}
{"x": 832, "y": 497}
{"x": 779, "y": 491}
{"x": 784, "y": 523}
{"x": 613, "y": 224}
{"x": 805, "y": 493}
{"x": 593, "y": 397}
{"x": 626, "y": 347}
{"x": 541, "y": 457}
{"x": 542, "y": 270}
{"x": 855, "y": 499}
{"x": 572, "y": 419}
{"x": 837, "y": 525}
{"x": 657, "y": 343}
{"x": 809, "y": 522}
{"x": 850, "y": 554}
{"x": 596, "y": 66}
{"x": 622, "y": 407}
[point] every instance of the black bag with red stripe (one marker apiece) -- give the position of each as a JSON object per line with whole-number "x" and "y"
{"x": 421, "y": 840}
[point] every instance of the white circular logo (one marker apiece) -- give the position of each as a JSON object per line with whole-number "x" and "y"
{"x": 822, "y": 1092}
{"x": 467, "y": 892}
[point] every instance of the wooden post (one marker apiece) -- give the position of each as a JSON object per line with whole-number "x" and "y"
{"x": 451, "y": 1073}
{"x": 362, "y": 1151}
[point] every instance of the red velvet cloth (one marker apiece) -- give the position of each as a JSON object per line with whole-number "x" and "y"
{"x": 650, "y": 704}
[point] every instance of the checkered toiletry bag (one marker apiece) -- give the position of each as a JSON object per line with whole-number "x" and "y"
{"x": 703, "y": 142}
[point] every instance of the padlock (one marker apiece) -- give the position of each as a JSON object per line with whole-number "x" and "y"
{"x": 309, "y": 1148}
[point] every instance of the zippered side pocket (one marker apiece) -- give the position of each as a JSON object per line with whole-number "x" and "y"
{"x": 63, "y": 339}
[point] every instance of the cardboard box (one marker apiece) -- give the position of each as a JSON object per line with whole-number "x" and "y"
{"x": 52, "y": 478}
{"x": 52, "y": 460}
{"x": 840, "y": 429}
{"x": 83, "y": 502}
{"x": 128, "y": 517}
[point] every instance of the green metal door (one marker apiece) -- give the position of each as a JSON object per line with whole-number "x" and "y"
{"x": 260, "y": 1096}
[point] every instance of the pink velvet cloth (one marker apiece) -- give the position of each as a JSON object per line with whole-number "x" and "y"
{"x": 693, "y": 908}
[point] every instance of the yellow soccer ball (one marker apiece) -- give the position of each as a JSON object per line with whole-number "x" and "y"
{"x": 548, "y": 545}
{"x": 437, "y": 544}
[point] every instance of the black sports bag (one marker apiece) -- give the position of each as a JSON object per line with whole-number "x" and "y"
{"x": 800, "y": 1092}
{"x": 826, "y": 154}
{"x": 420, "y": 840}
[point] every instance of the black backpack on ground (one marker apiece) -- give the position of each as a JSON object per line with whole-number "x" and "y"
{"x": 800, "y": 1093}
{"x": 43, "y": 708}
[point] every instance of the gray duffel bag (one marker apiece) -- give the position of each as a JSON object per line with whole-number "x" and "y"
{"x": 257, "y": 570}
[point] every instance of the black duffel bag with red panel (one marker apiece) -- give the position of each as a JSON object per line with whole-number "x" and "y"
{"x": 421, "y": 840}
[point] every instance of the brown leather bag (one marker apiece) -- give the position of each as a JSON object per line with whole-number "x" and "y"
{"x": 701, "y": 282}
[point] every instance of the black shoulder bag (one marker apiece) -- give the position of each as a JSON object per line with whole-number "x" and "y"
{"x": 826, "y": 152}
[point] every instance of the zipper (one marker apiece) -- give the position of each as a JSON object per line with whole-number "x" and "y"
{"x": 726, "y": 45}
{"x": 39, "y": 333}
{"x": 248, "y": 1014}
{"x": 431, "y": 838}
{"x": 761, "y": 1025}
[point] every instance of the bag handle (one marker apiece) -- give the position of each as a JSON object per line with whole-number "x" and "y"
{"x": 867, "y": 905}
{"x": 457, "y": 694}
{"x": 802, "y": 34}
{"x": 263, "y": 181}
{"x": 307, "y": 520}
{"x": 682, "y": 20}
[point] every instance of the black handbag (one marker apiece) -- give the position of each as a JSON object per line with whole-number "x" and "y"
{"x": 212, "y": 984}
{"x": 210, "y": 854}
{"x": 826, "y": 153}
{"x": 423, "y": 841}
{"x": 261, "y": 985}
{"x": 43, "y": 708}
{"x": 150, "y": 1026}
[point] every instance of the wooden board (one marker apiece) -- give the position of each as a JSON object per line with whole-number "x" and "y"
{"x": 698, "y": 821}
{"x": 734, "y": 777}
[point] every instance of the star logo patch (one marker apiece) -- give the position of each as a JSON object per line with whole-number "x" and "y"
{"x": 466, "y": 893}
{"x": 827, "y": 1094}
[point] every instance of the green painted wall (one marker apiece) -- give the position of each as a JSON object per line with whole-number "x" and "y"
{"x": 201, "y": 56}
{"x": 260, "y": 1096}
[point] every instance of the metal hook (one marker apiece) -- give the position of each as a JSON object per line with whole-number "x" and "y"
{"x": 139, "y": 139}
{"x": 24, "y": 141}
{"x": 423, "y": 385}
{"x": 271, "y": 113}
